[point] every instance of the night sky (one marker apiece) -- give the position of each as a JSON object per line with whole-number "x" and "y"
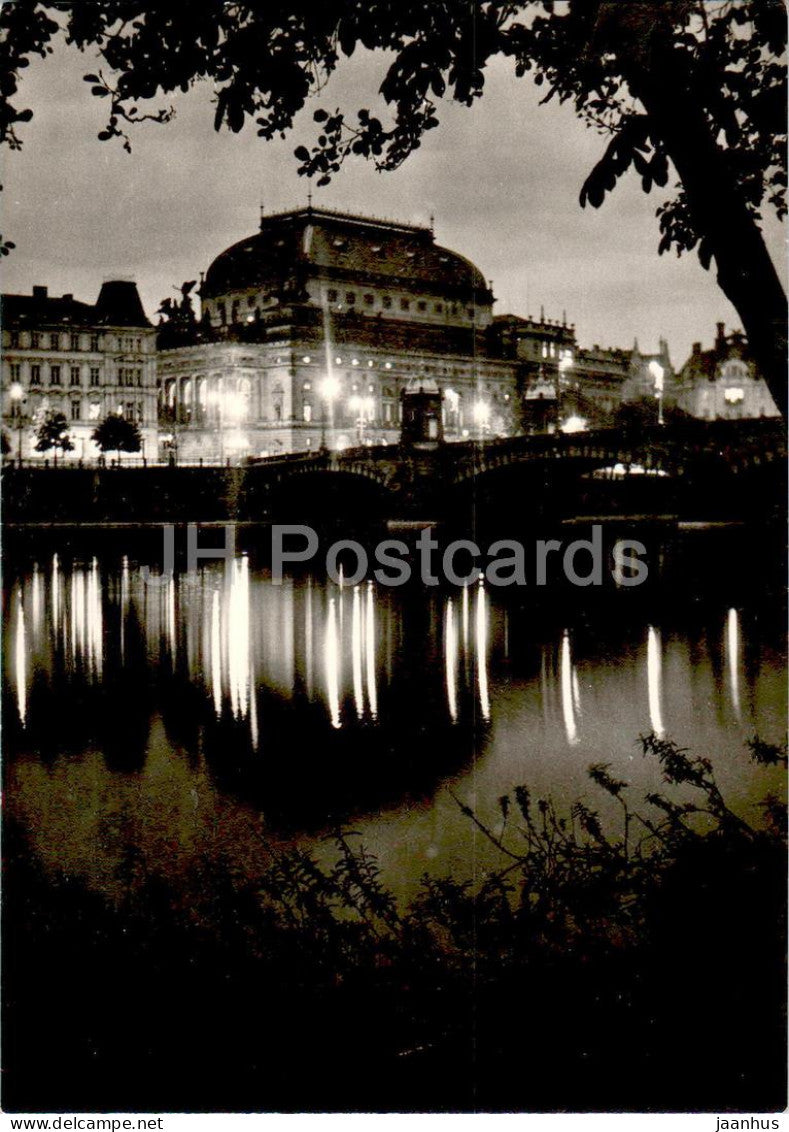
{"x": 502, "y": 179}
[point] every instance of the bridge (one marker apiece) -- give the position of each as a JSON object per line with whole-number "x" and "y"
{"x": 421, "y": 480}
{"x": 729, "y": 465}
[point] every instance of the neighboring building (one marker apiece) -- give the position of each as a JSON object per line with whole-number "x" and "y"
{"x": 311, "y": 329}
{"x": 723, "y": 383}
{"x": 563, "y": 383}
{"x": 83, "y": 360}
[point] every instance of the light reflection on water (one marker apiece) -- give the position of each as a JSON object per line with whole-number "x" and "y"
{"x": 232, "y": 693}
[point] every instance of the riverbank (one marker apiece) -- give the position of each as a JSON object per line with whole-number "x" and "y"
{"x": 630, "y": 968}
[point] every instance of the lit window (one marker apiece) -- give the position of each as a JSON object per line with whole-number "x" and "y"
{"x": 93, "y": 410}
{"x": 306, "y": 359}
{"x": 387, "y": 365}
{"x": 354, "y": 361}
{"x": 733, "y": 395}
{"x": 307, "y": 413}
{"x": 306, "y": 386}
{"x": 338, "y": 361}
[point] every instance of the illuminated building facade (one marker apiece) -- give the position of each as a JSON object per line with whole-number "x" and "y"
{"x": 723, "y": 383}
{"x": 311, "y": 329}
{"x": 79, "y": 359}
{"x": 563, "y": 384}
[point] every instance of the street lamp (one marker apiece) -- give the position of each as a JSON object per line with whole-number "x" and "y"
{"x": 658, "y": 373}
{"x": 17, "y": 395}
{"x": 330, "y": 389}
{"x": 363, "y": 408}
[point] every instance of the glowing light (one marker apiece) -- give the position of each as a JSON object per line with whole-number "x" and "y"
{"x": 356, "y": 652}
{"x": 15, "y": 391}
{"x": 481, "y": 412}
{"x": 370, "y": 652}
{"x": 451, "y": 659}
{"x": 330, "y": 387}
{"x": 216, "y": 655}
{"x": 574, "y": 424}
{"x": 655, "y": 681}
{"x": 568, "y": 700}
{"x": 733, "y": 658}
{"x": 20, "y": 660}
{"x": 332, "y": 663}
{"x": 55, "y": 595}
{"x": 481, "y": 640}
{"x": 238, "y": 668}
{"x": 658, "y": 373}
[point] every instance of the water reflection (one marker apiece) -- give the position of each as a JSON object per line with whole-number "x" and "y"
{"x": 571, "y": 705}
{"x": 157, "y": 703}
{"x": 733, "y": 659}
{"x": 655, "y": 682}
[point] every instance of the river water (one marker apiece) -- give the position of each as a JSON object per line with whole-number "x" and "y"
{"x": 220, "y": 717}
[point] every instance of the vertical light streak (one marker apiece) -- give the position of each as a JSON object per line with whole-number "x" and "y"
{"x": 733, "y": 658}
{"x": 481, "y": 640}
{"x": 36, "y": 587}
{"x": 238, "y": 675}
{"x": 55, "y": 596}
{"x": 451, "y": 658}
{"x": 566, "y": 678}
{"x": 124, "y": 604}
{"x": 169, "y": 615}
{"x": 370, "y": 652}
{"x": 216, "y": 654}
{"x": 655, "y": 682}
{"x": 332, "y": 662}
{"x": 308, "y": 637}
{"x": 94, "y": 620}
{"x": 356, "y": 652}
{"x": 20, "y": 660}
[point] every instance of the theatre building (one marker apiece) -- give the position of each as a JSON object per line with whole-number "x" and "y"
{"x": 309, "y": 331}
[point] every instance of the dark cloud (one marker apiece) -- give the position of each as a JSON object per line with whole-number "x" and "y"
{"x": 502, "y": 179}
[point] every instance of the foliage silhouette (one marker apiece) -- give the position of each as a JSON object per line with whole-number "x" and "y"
{"x": 117, "y": 434}
{"x": 52, "y": 435}
{"x": 676, "y": 85}
{"x": 593, "y": 970}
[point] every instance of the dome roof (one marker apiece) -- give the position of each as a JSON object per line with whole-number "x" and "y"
{"x": 313, "y": 241}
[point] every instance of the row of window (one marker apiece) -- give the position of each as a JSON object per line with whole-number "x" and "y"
{"x": 55, "y": 341}
{"x": 368, "y": 300}
{"x": 127, "y": 375}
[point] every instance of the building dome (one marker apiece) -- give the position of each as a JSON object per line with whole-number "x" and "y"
{"x": 333, "y": 245}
